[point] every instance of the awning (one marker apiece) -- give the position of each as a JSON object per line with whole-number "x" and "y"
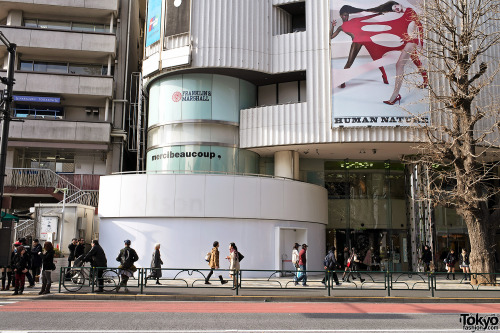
{"x": 9, "y": 217}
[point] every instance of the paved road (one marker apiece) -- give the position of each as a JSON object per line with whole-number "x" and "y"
{"x": 30, "y": 315}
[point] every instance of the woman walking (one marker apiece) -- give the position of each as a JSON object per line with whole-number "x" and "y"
{"x": 47, "y": 267}
{"x": 295, "y": 261}
{"x": 234, "y": 263}
{"x": 156, "y": 263}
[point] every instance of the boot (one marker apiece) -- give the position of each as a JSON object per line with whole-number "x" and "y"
{"x": 21, "y": 290}
{"x": 453, "y": 276}
{"x": 42, "y": 291}
{"x": 16, "y": 292}
{"x": 47, "y": 289}
{"x": 448, "y": 276}
{"x": 222, "y": 280}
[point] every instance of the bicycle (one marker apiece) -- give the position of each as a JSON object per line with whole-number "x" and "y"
{"x": 79, "y": 276}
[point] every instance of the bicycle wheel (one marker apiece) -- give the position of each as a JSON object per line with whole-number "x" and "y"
{"x": 111, "y": 279}
{"x": 75, "y": 280}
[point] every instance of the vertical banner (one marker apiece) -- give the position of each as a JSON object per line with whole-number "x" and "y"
{"x": 154, "y": 19}
{"x": 372, "y": 44}
{"x": 178, "y": 17}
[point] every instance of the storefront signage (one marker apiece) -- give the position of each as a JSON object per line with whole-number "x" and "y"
{"x": 367, "y": 39}
{"x": 37, "y": 99}
{"x": 171, "y": 154}
{"x": 192, "y": 96}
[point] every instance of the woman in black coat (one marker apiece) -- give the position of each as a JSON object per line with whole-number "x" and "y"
{"x": 465, "y": 263}
{"x": 47, "y": 267}
{"x": 36, "y": 259}
{"x": 156, "y": 262}
{"x": 451, "y": 260}
{"x": 20, "y": 267}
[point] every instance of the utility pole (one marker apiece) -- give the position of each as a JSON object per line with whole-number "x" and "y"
{"x": 6, "y": 100}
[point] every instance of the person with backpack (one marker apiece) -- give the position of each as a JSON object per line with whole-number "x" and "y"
{"x": 213, "y": 262}
{"x": 330, "y": 264}
{"x": 126, "y": 257}
{"x": 97, "y": 258}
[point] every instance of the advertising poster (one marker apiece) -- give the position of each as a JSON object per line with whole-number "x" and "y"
{"x": 372, "y": 43}
{"x": 178, "y": 17}
{"x": 154, "y": 20}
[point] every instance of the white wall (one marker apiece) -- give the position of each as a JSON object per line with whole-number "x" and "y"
{"x": 186, "y": 213}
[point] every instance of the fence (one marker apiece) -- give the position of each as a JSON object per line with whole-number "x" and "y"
{"x": 83, "y": 279}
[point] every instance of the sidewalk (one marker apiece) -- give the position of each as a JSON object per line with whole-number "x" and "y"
{"x": 406, "y": 288}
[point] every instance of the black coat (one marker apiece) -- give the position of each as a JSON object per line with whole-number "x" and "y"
{"x": 96, "y": 256}
{"x": 156, "y": 262}
{"x": 451, "y": 259}
{"x": 464, "y": 259}
{"x": 127, "y": 260}
{"x": 20, "y": 262}
{"x": 71, "y": 248}
{"x": 79, "y": 250}
{"x": 48, "y": 261}
{"x": 427, "y": 256}
{"x": 36, "y": 259}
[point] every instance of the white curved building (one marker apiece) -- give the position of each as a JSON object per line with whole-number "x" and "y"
{"x": 240, "y": 88}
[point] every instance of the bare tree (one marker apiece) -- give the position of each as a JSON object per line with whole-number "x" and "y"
{"x": 461, "y": 143}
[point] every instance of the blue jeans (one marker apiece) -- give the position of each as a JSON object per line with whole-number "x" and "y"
{"x": 303, "y": 277}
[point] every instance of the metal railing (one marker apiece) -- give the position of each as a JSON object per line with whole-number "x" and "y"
{"x": 46, "y": 178}
{"x": 276, "y": 280}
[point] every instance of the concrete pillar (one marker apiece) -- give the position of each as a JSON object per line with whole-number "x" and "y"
{"x": 15, "y": 18}
{"x": 286, "y": 164}
{"x": 106, "y": 110}
{"x": 111, "y": 23}
{"x": 110, "y": 59}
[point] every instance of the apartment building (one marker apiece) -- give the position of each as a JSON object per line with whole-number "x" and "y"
{"x": 71, "y": 96}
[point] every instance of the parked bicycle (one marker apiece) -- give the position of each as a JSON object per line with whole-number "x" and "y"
{"x": 79, "y": 276}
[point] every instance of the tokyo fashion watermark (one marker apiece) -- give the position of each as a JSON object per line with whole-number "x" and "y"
{"x": 479, "y": 322}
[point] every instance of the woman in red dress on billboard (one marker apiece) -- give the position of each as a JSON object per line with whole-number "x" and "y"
{"x": 408, "y": 28}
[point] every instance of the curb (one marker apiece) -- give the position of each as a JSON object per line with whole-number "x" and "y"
{"x": 304, "y": 299}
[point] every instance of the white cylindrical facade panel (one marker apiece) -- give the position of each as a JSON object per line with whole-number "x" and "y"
{"x": 286, "y": 164}
{"x": 186, "y": 213}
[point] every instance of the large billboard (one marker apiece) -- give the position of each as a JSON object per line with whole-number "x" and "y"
{"x": 373, "y": 43}
{"x": 153, "y": 30}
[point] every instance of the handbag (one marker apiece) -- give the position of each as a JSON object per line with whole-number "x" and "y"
{"x": 240, "y": 256}
{"x": 208, "y": 256}
{"x": 296, "y": 264}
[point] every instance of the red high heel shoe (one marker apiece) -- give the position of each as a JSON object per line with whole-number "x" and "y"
{"x": 397, "y": 99}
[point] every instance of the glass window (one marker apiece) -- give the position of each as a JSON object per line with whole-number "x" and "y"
{"x": 84, "y": 27}
{"x": 85, "y": 69}
{"x": 30, "y": 23}
{"x": 54, "y": 25}
{"x": 40, "y": 67}
{"x": 26, "y": 66}
{"x": 57, "y": 68}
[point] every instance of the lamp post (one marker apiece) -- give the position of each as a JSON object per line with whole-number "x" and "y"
{"x": 6, "y": 99}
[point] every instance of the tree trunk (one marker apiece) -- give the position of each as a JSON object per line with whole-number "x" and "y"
{"x": 482, "y": 254}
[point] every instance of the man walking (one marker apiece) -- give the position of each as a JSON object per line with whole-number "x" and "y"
{"x": 302, "y": 266}
{"x": 126, "y": 257}
{"x": 331, "y": 264}
{"x": 214, "y": 263}
{"x": 71, "y": 256}
{"x": 97, "y": 258}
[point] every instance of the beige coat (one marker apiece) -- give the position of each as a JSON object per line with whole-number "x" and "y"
{"x": 214, "y": 258}
{"x": 234, "y": 263}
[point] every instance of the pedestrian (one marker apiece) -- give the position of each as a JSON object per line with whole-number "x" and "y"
{"x": 442, "y": 258}
{"x": 47, "y": 267}
{"x": 426, "y": 258}
{"x": 330, "y": 264}
{"x": 80, "y": 248}
{"x": 156, "y": 263}
{"x": 295, "y": 261}
{"x": 127, "y": 257}
{"x": 27, "y": 254}
{"x": 347, "y": 265}
{"x": 234, "y": 263}
{"x": 71, "y": 256}
{"x": 451, "y": 260}
{"x": 213, "y": 263}
{"x": 354, "y": 266}
{"x": 36, "y": 259}
{"x": 7, "y": 273}
{"x": 98, "y": 261}
{"x": 20, "y": 266}
{"x": 368, "y": 261}
{"x": 465, "y": 264}
{"x": 302, "y": 267}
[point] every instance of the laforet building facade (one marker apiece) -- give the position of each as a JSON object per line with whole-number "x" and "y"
{"x": 264, "y": 128}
